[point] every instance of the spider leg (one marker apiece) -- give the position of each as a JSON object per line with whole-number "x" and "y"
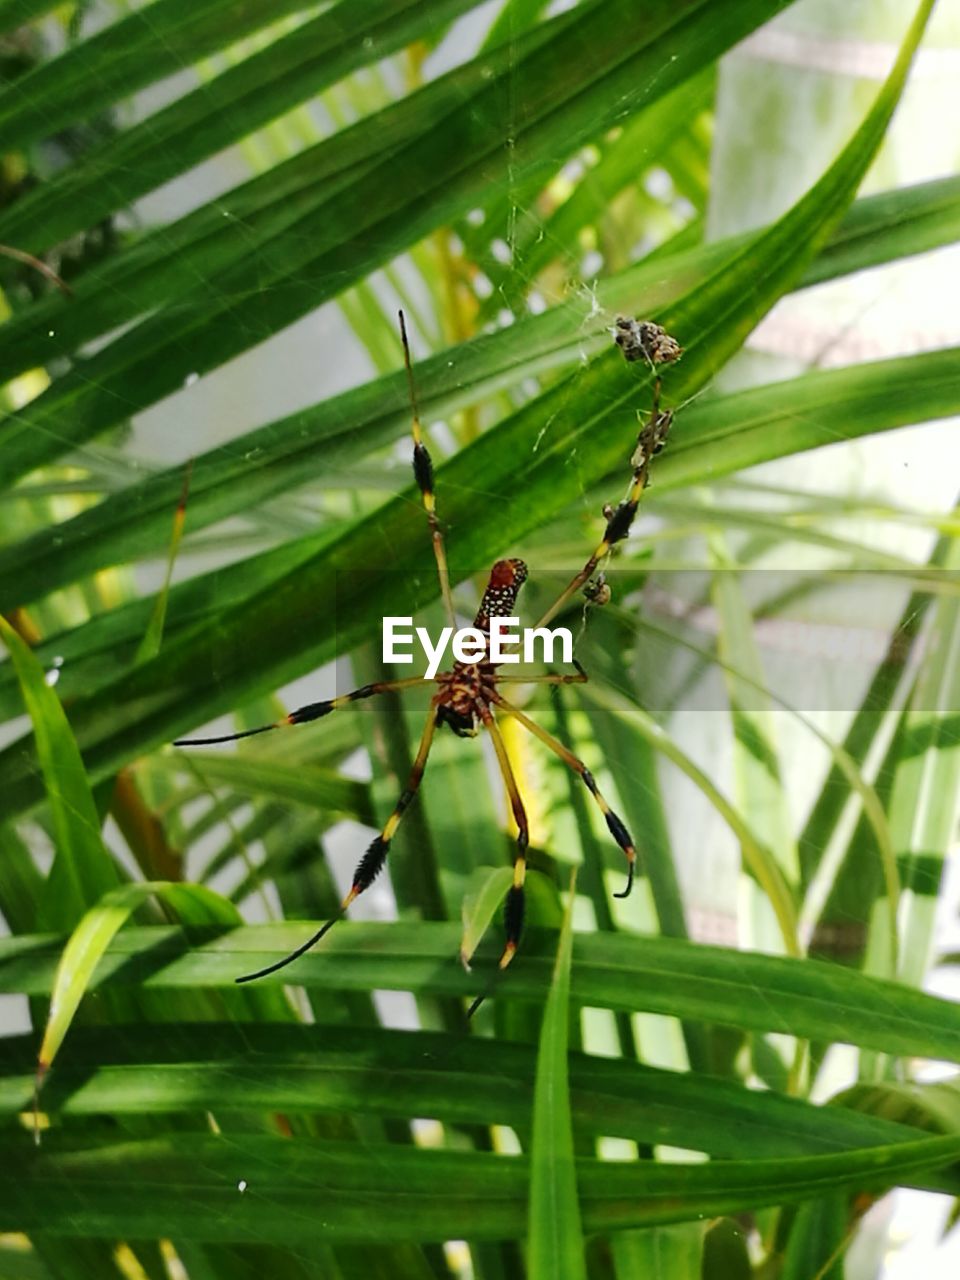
{"x": 513, "y": 912}
{"x": 371, "y": 864}
{"x": 312, "y": 711}
{"x": 423, "y": 471}
{"x": 551, "y": 677}
{"x": 513, "y": 908}
{"x": 621, "y": 518}
{"x": 614, "y": 824}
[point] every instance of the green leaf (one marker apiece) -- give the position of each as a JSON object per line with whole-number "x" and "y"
{"x": 933, "y": 1108}
{"x": 303, "y": 532}
{"x": 291, "y": 70}
{"x": 758, "y": 856}
{"x": 808, "y": 999}
{"x": 21, "y": 885}
{"x": 360, "y": 224}
{"x": 759, "y": 781}
{"x": 909, "y": 221}
{"x": 925, "y": 803}
{"x": 486, "y": 890}
{"x": 139, "y": 49}
{"x": 817, "y": 1239}
{"x": 265, "y": 1189}
{"x": 299, "y": 783}
{"x": 514, "y": 16}
{"x": 373, "y": 1071}
{"x": 594, "y": 852}
{"x": 14, "y": 13}
{"x": 554, "y": 1233}
{"x": 844, "y": 769}
{"x": 193, "y": 904}
{"x": 733, "y": 432}
{"x": 875, "y": 230}
{"x": 725, "y": 1255}
{"x": 641, "y": 143}
{"x": 153, "y": 636}
{"x": 82, "y": 870}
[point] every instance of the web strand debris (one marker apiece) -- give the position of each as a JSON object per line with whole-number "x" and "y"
{"x": 645, "y": 340}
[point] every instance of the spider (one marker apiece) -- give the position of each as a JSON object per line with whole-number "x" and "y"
{"x": 467, "y": 694}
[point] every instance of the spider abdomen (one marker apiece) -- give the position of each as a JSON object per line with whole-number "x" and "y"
{"x": 500, "y": 597}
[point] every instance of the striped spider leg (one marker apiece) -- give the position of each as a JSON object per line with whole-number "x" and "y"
{"x": 615, "y": 825}
{"x": 371, "y": 864}
{"x": 638, "y": 340}
{"x": 423, "y": 471}
{"x": 375, "y": 856}
{"x": 514, "y": 905}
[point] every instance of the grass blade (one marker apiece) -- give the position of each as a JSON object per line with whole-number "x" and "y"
{"x": 555, "y": 1236}
{"x": 384, "y": 1194}
{"x": 82, "y": 870}
{"x": 808, "y": 999}
{"x": 193, "y": 904}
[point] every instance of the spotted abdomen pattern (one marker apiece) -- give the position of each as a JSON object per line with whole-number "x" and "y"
{"x": 500, "y": 597}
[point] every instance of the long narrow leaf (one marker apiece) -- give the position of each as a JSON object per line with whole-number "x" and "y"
{"x": 555, "y": 1236}
{"x": 193, "y": 904}
{"x": 291, "y": 70}
{"x": 374, "y": 1071}
{"x": 144, "y": 46}
{"x": 82, "y": 870}
{"x": 263, "y": 1189}
{"x": 809, "y": 999}
{"x": 635, "y": 56}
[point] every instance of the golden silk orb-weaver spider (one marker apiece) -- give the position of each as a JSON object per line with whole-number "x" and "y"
{"x": 467, "y": 694}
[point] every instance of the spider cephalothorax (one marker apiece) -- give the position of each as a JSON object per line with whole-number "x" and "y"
{"x": 466, "y": 697}
{"x": 460, "y": 694}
